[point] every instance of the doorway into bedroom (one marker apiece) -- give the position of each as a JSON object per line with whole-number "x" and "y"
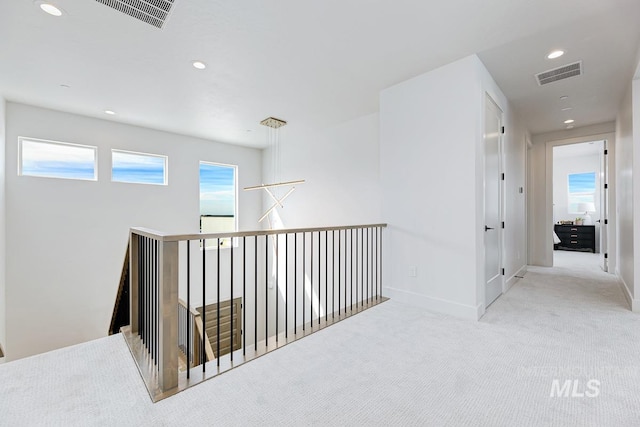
{"x": 580, "y": 205}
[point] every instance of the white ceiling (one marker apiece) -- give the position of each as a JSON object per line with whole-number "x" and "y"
{"x": 310, "y": 63}
{"x": 571, "y": 151}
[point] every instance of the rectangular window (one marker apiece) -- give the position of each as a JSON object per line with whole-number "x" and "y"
{"x": 53, "y": 159}
{"x": 582, "y": 189}
{"x": 138, "y": 168}
{"x": 217, "y": 200}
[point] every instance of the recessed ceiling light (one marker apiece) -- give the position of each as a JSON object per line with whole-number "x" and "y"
{"x": 568, "y": 121}
{"x": 49, "y": 8}
{"x": 567, "y": 108}
{"x": 199, "y": 65}
{"x": 65, "y": 86}
{"x": 564, "y": 98}
{"x": 555, "y": 54}
{"x": 110, "y": 112}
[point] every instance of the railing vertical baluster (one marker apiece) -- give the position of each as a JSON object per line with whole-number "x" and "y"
{"x": 145, "y": 295}
{"x": 374, "y": 260}
{"x": 345, "y": 271}
{"x": 218, "y": 304}
{"x": 367, "y": 259}
{"x": 203, "y": 356}
{"x": 142, "y": 297}
{"x": 277, "y": 287}
{"x": 359, "y": 264}
{"x": 137, "y": 247}
{"x": 361, "y": 240}
{"x": 319, "y": 277}
{"x": 304, "y": 277}
{"x": 377, "y": 261}
{"x": 295, "y": 283}
{"x": 154, "y": 302}
{"x": 255, "y": 294}
{"x": 381, "y": 262}
{"x": 266, "y": 290}
{"x": 356, "y": 270}
{"x": 286, "y": 285}
{"x": 149, "y": 296}
{"x": 244, "y": 291}
{"x": 311, "y": 284}
{"x": 188, "y": 337}
{"x": 333, "y": 274}
{"x": 231, "y": 334}
{"x": 326, "y": 276}
{"x": 339, "y": 270}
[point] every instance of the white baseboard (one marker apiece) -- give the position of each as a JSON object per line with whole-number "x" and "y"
{"x": 634, "y": 304}
{"x": 435, "y": 304}
{"x": 514, "y": 279}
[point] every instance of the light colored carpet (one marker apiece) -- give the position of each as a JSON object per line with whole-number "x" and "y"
{"x": 391, "y": 365}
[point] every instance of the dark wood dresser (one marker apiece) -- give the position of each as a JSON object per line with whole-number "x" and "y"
{"x": 576, "y": 237}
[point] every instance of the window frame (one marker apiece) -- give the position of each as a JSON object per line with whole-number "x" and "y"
{"x": 22, "y": 139}
{"x": 140, "y": 153}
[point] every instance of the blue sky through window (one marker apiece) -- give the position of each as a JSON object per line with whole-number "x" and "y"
{"x": 217, "y": 190}
{"x": 582, "y": 182}
{"x": 57, "y": 160}
{"x": 582, "y": 188}
{"x": 138, "y": 168}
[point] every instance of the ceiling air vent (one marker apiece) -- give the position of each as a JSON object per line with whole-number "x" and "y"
{"x": 153, "y": 12}
{"x": 560, "y": 73}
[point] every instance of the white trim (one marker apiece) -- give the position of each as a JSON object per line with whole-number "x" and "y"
{"x": 435, "y": 304}
{"x": 634, "y": 304}
{"x": 514, "y": 278}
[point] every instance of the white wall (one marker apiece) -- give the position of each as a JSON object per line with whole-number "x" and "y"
{"x": 3, "y": 339}
{"x": 431, "y": 154}
{"x": 624, "y": 192}
{"x": 540, "y": 206}
{"x": 341, "y": 167}
{"x": 67, "y": 238}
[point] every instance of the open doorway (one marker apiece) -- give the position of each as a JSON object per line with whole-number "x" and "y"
{"x": 580, "y": 205}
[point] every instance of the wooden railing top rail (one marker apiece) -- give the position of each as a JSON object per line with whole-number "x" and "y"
{"x": 168, "y": 237}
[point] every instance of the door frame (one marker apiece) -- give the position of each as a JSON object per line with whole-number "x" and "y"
{"x": 501, "y": 168}
{"x": 611, "y": 238}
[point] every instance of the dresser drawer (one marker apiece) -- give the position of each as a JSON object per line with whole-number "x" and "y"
{"x": 576, "y": 237}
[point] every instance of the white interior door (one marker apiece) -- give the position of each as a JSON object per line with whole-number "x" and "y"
{"x": 492, "y": 201}
{"x": 603, "y": 221}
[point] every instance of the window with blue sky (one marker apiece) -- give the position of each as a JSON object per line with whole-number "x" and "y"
{"x": 582, "y": 189}
{"x": 217, "y": 198}
{"x": 138, "y": 168}
{"x": 53, "y": 159}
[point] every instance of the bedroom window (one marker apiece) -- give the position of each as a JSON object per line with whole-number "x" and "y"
{"x": 52, "y": 159}
{"x": 218, "y": 190}
{"x": 138, "y": 168}
{"x": 582, "y": 189}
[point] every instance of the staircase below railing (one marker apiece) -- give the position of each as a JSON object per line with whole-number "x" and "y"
{"x": 196, "y": 313}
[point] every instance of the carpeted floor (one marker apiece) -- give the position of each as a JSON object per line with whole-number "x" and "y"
{"x": 391, "y": 365}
